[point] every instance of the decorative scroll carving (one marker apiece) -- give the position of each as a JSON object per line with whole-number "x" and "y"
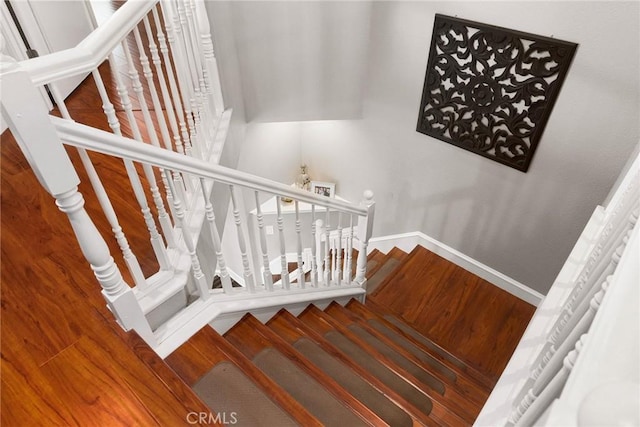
{"x": 490, "y": 90}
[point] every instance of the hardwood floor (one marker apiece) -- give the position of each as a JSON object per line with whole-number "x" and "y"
{"x": 65, "y": 361}
{"x": 473, "y": 319}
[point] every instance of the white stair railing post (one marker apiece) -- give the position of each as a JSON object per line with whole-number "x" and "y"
{"x": 338, "y": 249}
{"x": 215, "y": 238}
{"x": 105, "y": 203}
{"x": 365, "y": 228}
{"x": 286, "y": 283}
{"x": 301, "y": 280}
{"x": 246, "y": 268}
{"x": 212, "y": 77}
{"x": 319, "y": 251}
{"x": 266, "y": 272}
{"x": 156, "y": 240}
{"x": 349, "y": 263}
{"x": 27, "y": 117}
{"x": 314, "y": 249}
{"x": 327, "y": 250}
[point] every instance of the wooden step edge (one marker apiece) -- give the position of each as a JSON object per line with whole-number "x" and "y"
{"x": 280, "y": 397}
{"x": 392, "y": 276}
{"x": 380, "y": 258}
{"x": 397, "y": 254}
{"x": 313, "y": 371}
{"x": 171, "y": 380}
{"x": 464, "y": 383}
{"x": 373, "y": 308}
{"x": 309, "y": 332}
{"x": 461, "y": 384}
{"x": 466, "y": 407}
{"x": 439, "y": 412}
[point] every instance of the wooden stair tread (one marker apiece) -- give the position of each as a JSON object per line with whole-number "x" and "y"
{"x": 372, "y": 311}
{"x": 458, "y": 310}
{"x": 203, "y": 351}
{"x": 305, "y": 382}
{"x": 410, "y": 387}
{"x": 341, "y": 373}
{"x": 295, "y": 329}
{"x": 404, "y": 366}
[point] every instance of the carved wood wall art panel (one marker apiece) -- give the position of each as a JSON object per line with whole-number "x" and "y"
{"x": 490, "y": 90}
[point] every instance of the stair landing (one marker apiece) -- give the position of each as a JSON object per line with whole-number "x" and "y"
{"x": 462, "y": 313}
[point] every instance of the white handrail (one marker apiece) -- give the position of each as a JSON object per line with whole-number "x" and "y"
{"x": 92, "y": 139}
{"x": 91, "y": 51}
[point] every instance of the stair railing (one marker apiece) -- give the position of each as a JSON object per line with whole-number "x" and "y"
{"x": 171, "y": 125}
{"x": 571, "y": 342}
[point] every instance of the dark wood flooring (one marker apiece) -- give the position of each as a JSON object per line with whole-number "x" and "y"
{"x": 66, "y": 362}
{"x": 468, "y": 316}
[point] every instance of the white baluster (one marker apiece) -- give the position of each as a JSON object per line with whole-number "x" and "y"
{"x": 163, "y": 217}
{"x": 157, "y": 107}
{"x": 327, "y": 249}
{"x": 365, "y": 228}
{"x": 156, "y": 240}
{"x": 338, "y": 265}
{"x": 175, "y": 93}
{"x": 196, "y": 270}
{"x": 105, "y": 203}
{"x": 349, "y": 266}
{"x": 27, "y": 116}
{"x": 172, "y": 27}
{"x": 212, "y": 77}
{"x": 528, "y": 412}
{"x": 266, "y": 273}
{"x": 301, "y": 279}
{"x": 320, "y": 251}
{"x": 314, "y": 237}
{"x": 286, "y": 284}
{"x": 248, "y": 276}
{"x": 215, "y": 238}
{"x": 190, "y": 72}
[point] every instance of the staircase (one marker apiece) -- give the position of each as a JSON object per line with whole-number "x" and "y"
{"x": 356, "y": 364}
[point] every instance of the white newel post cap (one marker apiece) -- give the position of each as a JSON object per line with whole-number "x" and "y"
{"x": 611, "y": 404}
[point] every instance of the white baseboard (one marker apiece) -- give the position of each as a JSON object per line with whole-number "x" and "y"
{"x": 408, "y": 241}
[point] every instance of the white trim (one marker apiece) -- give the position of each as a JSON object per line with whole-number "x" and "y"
{"x": 408, "y": 241}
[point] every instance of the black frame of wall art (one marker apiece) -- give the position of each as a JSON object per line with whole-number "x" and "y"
{"x": 490, "y": 90}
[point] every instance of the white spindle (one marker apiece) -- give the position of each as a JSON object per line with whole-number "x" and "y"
{"x": 327, "y": 249}
{"x": 196, "y": 270}
{"x": 301, "y": 279}
{"x": 172, "y": 27}
{"x": 338, "y": 265}
{"x": 215, "y": 238}
{"x": 163, "y": 217}
{"x": 246, "y": 268}
{"x": 286, "y": 284}
{"x": 118, "y": 295}
{"x": 314, "y": 238}
{"x": 156, "y": 240}
{"x": 534, "y": 405}
{"x": 349, "y": 264}
{"x": 27, "y": 116}
{"x": 365, "y": 228}
{"x": 212, "y": 77}
{"x": 201, "y": 98}
{"x": 169, "y": 100}
{"x": 266, "y": 271}
{"x": 105, "y": 203}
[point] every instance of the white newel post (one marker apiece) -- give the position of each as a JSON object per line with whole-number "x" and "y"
{"x": 28, "y": 119}
{"x": 365, "y": 228}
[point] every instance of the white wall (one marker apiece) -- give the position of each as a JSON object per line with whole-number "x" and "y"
{"x": 522, "y": 225}
{"x": 302, "y": 60}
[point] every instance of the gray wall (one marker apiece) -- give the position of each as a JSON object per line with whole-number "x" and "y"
{"x": 523, "y": 225}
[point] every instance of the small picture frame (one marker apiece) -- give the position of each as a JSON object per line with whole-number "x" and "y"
{"x": 327, "y": 189}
